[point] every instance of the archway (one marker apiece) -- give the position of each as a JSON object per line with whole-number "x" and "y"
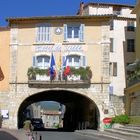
{"x": 81, "y": 112}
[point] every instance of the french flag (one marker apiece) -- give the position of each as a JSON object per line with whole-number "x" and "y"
{"x": 52, "y": 67}
{"x": 67, "y": 68}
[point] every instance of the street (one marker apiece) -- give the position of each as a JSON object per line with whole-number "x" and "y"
{"x": 53, "y": 135}
{"x": 50, "y": 135}
{"x": 6, "y": 136}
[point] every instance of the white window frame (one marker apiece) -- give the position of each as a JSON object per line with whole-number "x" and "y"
{"x": 43, "y": 33}
{"x": 43, "y": 65}
{"x": 80, "y": 35}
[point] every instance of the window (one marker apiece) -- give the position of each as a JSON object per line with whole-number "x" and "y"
{"x": 117, "y": 10}
{"x": 42, "y": 62}
{"x": 111, "y": 45}
{"x": 130, "y": 45}
{"x": 75, "y": 61}
{"x": 43, "y": 33}
{"x": 113, "y": 69}
{"x": 74, "y": 32}
{"x": 130, "y": 26}
{"x": 111, "y": 25}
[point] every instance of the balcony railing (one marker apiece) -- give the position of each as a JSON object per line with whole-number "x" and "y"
{"x": 133, "y": 82}
{"x": 76, "y": 78}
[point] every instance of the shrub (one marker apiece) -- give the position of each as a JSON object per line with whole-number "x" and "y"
{"x": 121, "y": 119}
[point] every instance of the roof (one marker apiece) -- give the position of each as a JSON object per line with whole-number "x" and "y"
{"x": 136, "y": 8}
{"x": 55, "y": 17}
{"x": 4, "y": 28}
{"x": 109, "y": 4}
{"x": 51, "y": 112}
{"x": 42, "y": 18}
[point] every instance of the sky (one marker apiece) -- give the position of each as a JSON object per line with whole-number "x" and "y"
{"x": 28, "y": 8}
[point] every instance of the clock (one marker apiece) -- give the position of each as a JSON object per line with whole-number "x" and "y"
{"x": 58, "y": 30}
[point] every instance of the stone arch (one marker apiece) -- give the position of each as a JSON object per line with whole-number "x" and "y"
{"x": 82, "y": 95}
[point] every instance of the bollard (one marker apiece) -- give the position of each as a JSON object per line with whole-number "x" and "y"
{"x": 36, "y": 136}
{"x": 40, "y": 138}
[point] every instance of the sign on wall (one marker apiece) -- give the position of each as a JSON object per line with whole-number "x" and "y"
{"x": 5, "y": 114}
{"x": 58, "y": 48}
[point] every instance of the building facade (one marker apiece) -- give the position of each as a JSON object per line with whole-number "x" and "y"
{"x": 34, "y": 40}
{"x": 4, "y": 68}
{"x": 132, "y": 91}
{"x": 122, "y": 38}
{"x": 71, "y": 60}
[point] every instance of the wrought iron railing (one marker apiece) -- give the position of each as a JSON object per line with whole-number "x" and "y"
{"x": 74, "y": 78}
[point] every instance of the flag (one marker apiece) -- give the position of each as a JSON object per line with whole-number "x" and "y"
{"x": 52, "y": 66}
{"x": 67, "y": 68}
{"x": 1, "y": 75}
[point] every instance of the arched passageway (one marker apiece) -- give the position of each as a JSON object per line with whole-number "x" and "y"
{"x": 81, "y": 112}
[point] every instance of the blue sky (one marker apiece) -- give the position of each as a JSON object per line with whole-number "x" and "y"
{"x": 27, "y": 8}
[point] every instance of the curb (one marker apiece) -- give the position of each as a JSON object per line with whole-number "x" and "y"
{"x": 97, "y": 134}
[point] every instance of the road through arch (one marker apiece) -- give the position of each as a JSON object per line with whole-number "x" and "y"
{"x": 81, "y": 112}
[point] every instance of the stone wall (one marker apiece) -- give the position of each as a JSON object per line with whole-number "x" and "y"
{"x": 116, "y": 105}
{"x": 98, "y": 93}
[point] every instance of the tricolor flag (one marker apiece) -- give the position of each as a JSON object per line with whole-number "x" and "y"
{"x": 67, "y": 68}
{"x": 52, "y": 67}
{"x": 1, "y": 75}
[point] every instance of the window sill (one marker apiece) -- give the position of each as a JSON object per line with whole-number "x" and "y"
{"x": 43, "y": 43}
{"x": 73, "y": 42}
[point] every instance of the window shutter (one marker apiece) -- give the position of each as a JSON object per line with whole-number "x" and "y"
{"x": 64, "y": 59}
{"x": 65, "y": 32}
{"x": 49, "y": 33}
{"x": 34, "y": 61}
{"x": 81, "y": 33}
{"x": 114, "y": 69}
{"x": 37, "y": 34}
{"x": 83, "y": 61}
{"x": 111, "y": 45}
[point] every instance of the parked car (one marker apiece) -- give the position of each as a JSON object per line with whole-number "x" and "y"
{"x": 37, "y": 123}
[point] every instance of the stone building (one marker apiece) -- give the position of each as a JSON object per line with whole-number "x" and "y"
{"x": 122, "y": 44}
{"x": 66, "y": 59}
{"x": 132, "y": 91}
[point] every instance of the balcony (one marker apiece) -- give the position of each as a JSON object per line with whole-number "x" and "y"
{"x": 134, "y": 73}
{"x": 76, "y": 78}
{"x": 133, "y": 82}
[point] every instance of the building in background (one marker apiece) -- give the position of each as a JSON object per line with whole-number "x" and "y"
{"x": 133, "y": 84}
{"x": 52, "y": 118}
{"x": 122, "y": 43}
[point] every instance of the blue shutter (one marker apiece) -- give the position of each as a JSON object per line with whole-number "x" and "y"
{"x": 81, "y": 33}
{"x": 65, "y": 32}
{"x": 83, "y": 61}
{"x": 63, "y": 63}
{"x": 49, "y": 33}
{"x": 34, "y": 61}
{"x": 37, "y": 34}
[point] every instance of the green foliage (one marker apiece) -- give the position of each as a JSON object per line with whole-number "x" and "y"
{"x": 121, "y": 119}
{"x": 32, "y": 72}
{"x": 85, "y": 73}
{"x": 134, "y": 120}
{"x": 135, "y": 72}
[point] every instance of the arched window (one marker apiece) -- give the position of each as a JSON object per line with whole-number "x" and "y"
{"x": 75, "y": 61}
{"x": 43, "y": 62}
